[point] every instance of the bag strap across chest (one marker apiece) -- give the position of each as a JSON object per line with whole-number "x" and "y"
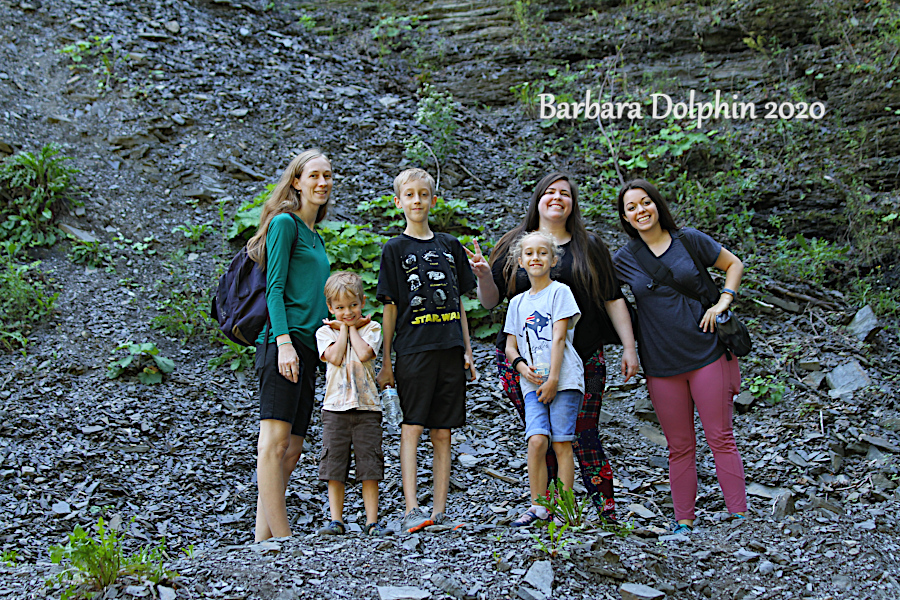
{"x": 660, "y": 273}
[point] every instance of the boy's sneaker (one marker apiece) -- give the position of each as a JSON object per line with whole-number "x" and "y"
{"x": 443, "y": 523}
{"x": 416, "y": 520}
{"x": 333, "y": 528}
{"x": 378, "y": 530}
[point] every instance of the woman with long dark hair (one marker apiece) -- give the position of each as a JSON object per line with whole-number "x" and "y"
{"x": 685, "y": 363}
{"x": 586, "y": 267}
{"x": 293, "y": 255}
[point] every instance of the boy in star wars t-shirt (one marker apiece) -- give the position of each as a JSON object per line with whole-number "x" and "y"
{"x": 422, "y": 279}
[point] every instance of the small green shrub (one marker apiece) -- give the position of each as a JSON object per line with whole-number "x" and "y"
{"x": 194, "y": 234}
{"x": 239, "y": 358}
{"x": 556, "y": 539}
{"x": 9, "y": 557}
{"x": 95, "y": 563}
{"x": 766, "y": 387}
{"x": 246, "y": 220}
{"x": 354, "y": 248}
{"x": 436, "y": 111}
{"x": 447, "y": 215}
{"x": 94, "y": 254}
{"x": 307, "y": 21}
{"x": 807, "y": 260}
{"x": 106, "y": 65}
{"x": 25, "y": 301}
{"x": 143, "y": 359}
{"x": 390, "y": 32}
{"x": 561, "y": 502}
{"x": 33, "y": 188}
{"x": 184, "y": 315}
{"x": 383, "y": 207}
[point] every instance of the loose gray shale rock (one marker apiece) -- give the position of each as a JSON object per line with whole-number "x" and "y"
{"x": 864, "y": 325}
{"x": 639, "y": 591}
{"x": 540, "y": 575}
{"x": 402, "y": 593}
{"x": 848, "y": 377}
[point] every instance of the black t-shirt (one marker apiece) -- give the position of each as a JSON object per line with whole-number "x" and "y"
{"x": 594, "y": 325}
{"x": 425, "y": 279}
{"x": 670, "y": 339}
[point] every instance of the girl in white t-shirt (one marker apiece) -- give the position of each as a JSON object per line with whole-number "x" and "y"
{"x": 539, "y": 327}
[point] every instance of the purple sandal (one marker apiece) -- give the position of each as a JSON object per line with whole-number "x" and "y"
{"x": 528, "y": 518}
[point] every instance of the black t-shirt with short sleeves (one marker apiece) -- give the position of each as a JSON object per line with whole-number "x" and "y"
{"x": 425, "y": 279}
{"x": 593, "y": 327}
{"x": 670, "y": 340}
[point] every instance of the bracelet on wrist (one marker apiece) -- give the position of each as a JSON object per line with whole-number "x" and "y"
{"x": 728, "y": 291}
{"x": 283, "y": 343}
{"x": 516, "y": 361}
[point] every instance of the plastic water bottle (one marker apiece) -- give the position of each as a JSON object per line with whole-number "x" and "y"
{"x": 390, "y": 407}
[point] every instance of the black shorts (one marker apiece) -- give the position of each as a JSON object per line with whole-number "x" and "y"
{"x": 279, "y": 398}
{"x": 356, "y": 429}
{"x": 432, "y": 388}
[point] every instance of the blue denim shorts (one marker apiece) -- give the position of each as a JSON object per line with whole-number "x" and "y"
{"x": 555, "y": 420}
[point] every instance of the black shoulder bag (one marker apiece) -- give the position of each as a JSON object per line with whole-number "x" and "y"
{"x": 733, "y": 334}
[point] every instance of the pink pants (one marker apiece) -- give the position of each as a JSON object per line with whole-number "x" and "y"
{"x": 712, "y": 389}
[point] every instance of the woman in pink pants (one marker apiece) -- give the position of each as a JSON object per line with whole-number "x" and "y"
{"x": 685, "y": 364}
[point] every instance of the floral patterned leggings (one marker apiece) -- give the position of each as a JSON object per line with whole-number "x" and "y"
{"x": 596, "y": 473}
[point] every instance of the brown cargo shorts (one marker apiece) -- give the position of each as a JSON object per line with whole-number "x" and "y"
{"x": 356, "y": 430}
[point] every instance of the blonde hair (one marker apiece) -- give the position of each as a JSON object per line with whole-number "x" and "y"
{"x": 413, "y": 175}
{"x": 515, "y": 253}
{"x": 343, "y": 283}
{"x": 284, "y": 199}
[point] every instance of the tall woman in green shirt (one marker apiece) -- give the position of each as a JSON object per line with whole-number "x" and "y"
{"x": 286, "y": 359}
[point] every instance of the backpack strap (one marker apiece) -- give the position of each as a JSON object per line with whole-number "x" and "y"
{"x": 705, "y": 277}
{"x": 657, "y": 271}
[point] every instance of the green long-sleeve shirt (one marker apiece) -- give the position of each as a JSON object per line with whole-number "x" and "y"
{"x": 295, "y": 284}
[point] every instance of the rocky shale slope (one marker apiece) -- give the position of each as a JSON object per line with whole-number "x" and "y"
{"x": 206, "y": 102}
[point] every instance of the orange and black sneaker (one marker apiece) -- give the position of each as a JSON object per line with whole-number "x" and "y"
{"x": 415, "y": 520}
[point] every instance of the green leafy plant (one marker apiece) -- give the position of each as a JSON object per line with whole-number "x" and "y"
{"x": 384, "y": 207}
{"x": 239, "y": 358}
{"x": 436, "y": 111}
{"x": 561, "y": 502}
{"x": 144, "y": 359}
{"x": 194, "y": 234}
{"x": 140, "y": 247}
{"x": 246, "y": 219}
{"x": 307, "y": 21}
{"x": 766, "y": 387}
{"x": 33, "y": 188}
{"x": 10, "y": 557}
{"x": 621, "y": 529}
{"x": 95, "y": 563}
{"x": 807, "y": 260}
{"x": 390, "y": 31}
{"x": 25, "y": 300}
{"x": 447, "y": 215}
{"x": 189, "y": 551}
{"x": 106, "y": 53}
{"x": 556, "y": 539}
{"x": 94, "y": 254}
{"x": 354, "y": 248}
{"x": 184, "y": 314}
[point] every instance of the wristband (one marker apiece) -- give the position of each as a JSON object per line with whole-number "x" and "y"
{"x": 283, "y": 343}
{"x": 727, "y": 291}
{"x": 516, "y": 361}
